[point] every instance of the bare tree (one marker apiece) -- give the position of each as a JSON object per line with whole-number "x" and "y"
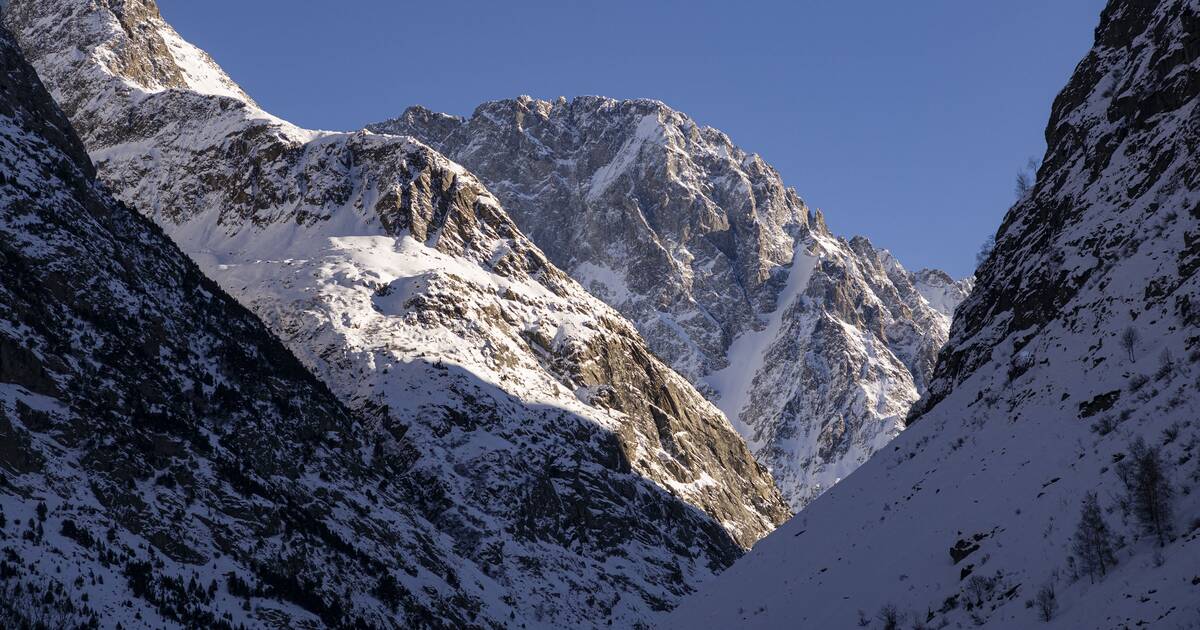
{"x": 1129, "y": 340}
{"x": 985, "y": 250}
{"x": 1166, "y": 365}
{"x": 1093, "y": 541}
{"x": 890, "y": 617}
{"x": 1024, "y": 183}
{"x": 1027, "y": 177}
{"x": 1047, "y": 602}
{"x": 979, "y": 587}
{"x": 1148, "y": 489}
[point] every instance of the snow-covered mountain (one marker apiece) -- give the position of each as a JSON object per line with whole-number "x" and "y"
{"x": 164, "y": 460}
{"x": 1073, "y": 368}
{"x": 815, "y": 347}
{"x": 585, "y": 479}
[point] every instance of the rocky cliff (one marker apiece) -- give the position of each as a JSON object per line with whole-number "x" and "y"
{"x": 815, "y": 347}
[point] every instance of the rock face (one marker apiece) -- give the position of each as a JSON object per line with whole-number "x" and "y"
{"x": 621, "y": 194}
{"x": 585, "y": 478}
{"x": 813, "y": 346}
{"x": 163, "y": 458}
{"x": 1075, "y": 355}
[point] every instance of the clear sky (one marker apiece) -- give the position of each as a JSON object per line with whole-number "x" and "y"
{"x": 904, "y": 121}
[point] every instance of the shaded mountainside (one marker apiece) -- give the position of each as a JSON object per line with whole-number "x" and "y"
{"x": 1052, "y": 471}
{"x": 1118, "y": 142}
{"x": 589, "y": 481}
{"x": 163, "y": 458}
{"x": 814, "y": 347}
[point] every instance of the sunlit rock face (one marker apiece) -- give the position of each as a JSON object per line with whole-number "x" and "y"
{"x": 815, "y": 347}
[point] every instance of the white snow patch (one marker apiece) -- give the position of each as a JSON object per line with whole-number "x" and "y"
{"x": 747, "y": 353}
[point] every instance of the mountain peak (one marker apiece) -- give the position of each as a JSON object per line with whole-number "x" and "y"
{"x": 730, "y": 276}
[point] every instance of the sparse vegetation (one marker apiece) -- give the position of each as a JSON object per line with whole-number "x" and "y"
{"x": 1149, "y": 494}
{"x": 1171, "y": 433}
{"x": 1027, "y": 177}
{"x": 979, "y": 587}
{"x": 1093, "y": 540}
{"x": 985, "y": 250}
{"x": 1129, "y": 341}
{"x": 889, "y": 616}
{"x": 1047, "y": 602}
{"x": 25, "y": 605}
{"x": 1166, "y": 366}
{"x": 1024, "y": 183}
{"x": 1105, "y": 424}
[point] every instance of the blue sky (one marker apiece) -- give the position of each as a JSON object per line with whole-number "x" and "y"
{"x": 904, "y": 121}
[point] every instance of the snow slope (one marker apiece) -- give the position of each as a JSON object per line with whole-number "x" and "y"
{"x": 164, "y": 460}
{"x": 971, "y": 512}
{"x": 590, "y": 482}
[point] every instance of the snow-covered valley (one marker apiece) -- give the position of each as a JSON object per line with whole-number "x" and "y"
{"x": 576, "y": 363}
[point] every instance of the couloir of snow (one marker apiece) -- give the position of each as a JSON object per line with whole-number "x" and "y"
{"x": 747, "y": 354}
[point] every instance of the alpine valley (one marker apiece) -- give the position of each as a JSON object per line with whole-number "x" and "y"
{"x": 576, "y": 363}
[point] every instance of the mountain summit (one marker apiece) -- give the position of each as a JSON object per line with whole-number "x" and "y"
{"x": 814, "y": 346}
